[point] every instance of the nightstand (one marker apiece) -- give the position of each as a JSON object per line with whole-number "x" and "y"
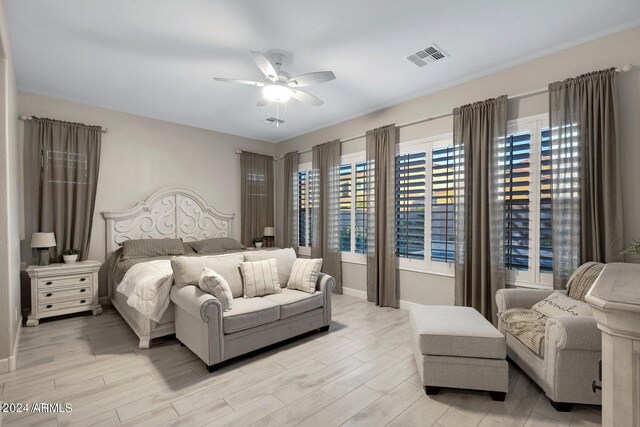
{"x": 58, "y": 289}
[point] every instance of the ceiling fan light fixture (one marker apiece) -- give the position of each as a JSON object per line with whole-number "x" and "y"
{"x": 277, "y": 92}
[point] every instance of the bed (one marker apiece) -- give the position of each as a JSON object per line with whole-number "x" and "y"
{"x": 173, "y": 212}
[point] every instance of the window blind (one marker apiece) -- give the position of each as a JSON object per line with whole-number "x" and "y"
{"x": 302, "y": 208}
{"x": 443, "y": 205}
{"x": 361, "y": 208}
{"x": 345, "y": 208}
{"x": 546, "y": 247}
{"x": 410, "y": 205}
{"x": 516, "y": 159}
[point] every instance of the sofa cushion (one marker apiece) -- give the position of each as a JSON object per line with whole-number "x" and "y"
{"x": 249, "y": 313}
{"x": 294, "y": 302}
{"x": 284, "y": 259}
{"x": 304, "y": 275}
{"x": 260, "y": 278}
{"x": 558, "y": 304}
{"x": 583, "y": 279}
{"x": 216, "y": 285}
{"x": 187, "y": 270}
{"x": 456, "y": 331}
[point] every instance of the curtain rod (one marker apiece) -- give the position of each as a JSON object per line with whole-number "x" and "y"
{"x": 25, "y": 118}
{"x": 624, "y": 69}
{"x": 266, "y": 155}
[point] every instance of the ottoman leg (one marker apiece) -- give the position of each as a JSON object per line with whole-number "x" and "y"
{"x": 498, "y": 396}
{"x": 431, "y": 390}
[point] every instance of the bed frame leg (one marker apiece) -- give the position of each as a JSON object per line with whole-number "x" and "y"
{"x": 145, "y": 343}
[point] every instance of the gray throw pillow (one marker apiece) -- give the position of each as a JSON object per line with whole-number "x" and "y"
{"x": 217, "y": 245}
{"x": 150, "y": 248}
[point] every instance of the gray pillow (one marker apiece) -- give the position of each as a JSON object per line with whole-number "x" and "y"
{"x": 150, "y": 248}
{"x": 187, "y": 270}
{"x": 217, "y": 245}
{"x": 284, "y": 258}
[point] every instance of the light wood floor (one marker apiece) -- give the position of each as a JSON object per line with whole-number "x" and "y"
{"x": 361, "y": 372}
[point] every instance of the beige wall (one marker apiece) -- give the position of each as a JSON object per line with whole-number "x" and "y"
{"x": 9, "y": 205}
{"x": 614, "y": 50}
{"x": 141, "y": 155}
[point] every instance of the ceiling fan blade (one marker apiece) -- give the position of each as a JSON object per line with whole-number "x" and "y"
{"x": 265, "y": 66}
{"x": 311, "y": 79}
{"x": 307, "y": 98}
{"x": 242, "y": 82}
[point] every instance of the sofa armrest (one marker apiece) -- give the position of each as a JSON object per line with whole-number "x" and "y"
{"x": 193, "y": 300}
{"x": 574, "y": 333}
{"x": 325, "y": 285}
{"x": 523, "y": 298}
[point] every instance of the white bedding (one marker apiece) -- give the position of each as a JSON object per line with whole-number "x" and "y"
{"x": 147, "y": 286}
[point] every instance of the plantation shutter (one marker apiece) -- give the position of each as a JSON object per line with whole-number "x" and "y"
{"x": 443, "y": 205}
{"x": 410, "y": 205}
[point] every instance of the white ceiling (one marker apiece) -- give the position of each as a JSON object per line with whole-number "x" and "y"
{"x": 156, "y": 58}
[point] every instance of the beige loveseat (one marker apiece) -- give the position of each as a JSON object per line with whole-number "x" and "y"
{"x": 569, "y": 349}
{"x": 253, "y": 323}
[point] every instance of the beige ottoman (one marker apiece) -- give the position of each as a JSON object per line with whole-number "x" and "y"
{"x": 456, "y": 347}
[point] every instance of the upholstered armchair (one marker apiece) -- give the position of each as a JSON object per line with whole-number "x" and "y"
{"x": 567, "y": 360}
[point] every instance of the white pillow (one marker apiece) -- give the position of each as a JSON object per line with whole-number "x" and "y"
{"x": 260, "y": 278}
{"x": 559, "y": 304}
{"x": 284, "y": 258}
{"x": 304, "y": 275}
{"x": 216, "y": 285}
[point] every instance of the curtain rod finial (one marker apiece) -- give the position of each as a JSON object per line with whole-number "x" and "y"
{"x": 625, "y": 68}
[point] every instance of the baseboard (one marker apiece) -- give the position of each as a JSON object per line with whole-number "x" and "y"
{"x": 10, "y": 364}
{"x": 405, "y": 305}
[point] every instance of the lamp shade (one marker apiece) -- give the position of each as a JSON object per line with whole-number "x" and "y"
{"x": 43, "y": 240}
{"x": 268, "y": 231}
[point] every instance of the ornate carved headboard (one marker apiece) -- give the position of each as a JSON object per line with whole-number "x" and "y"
{"x": 173, "y": 212}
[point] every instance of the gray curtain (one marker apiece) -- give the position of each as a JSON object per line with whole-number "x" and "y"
{"x": 290, "y": 216}
{"x": 381, "y": 205}
{"x": 325, "y": 209}
{"x": 479, "y": 132}
{"x": 61, "y": 164}
{"x": 256, "y": 191}
{"x": 586, "y": 195}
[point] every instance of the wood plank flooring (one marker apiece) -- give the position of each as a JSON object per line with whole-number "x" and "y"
{"x": 360, "y": 373}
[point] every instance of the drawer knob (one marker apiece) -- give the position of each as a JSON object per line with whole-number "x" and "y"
{"x": 49, "y": 294}
{"x": 48, "y": 283}
{"x": 83, "y": 279}
{"x": 83, "y": 290}
{"x": 82, "y": 301}
{"x": 49, "y": 306}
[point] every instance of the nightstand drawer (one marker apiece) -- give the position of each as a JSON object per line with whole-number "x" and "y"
{"x": 64, "y": 304}
{"x": 65, "y": 293}
{"x": 57, "y": 282}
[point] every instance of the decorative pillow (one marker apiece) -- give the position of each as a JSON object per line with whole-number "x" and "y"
{"x": 284, "y": 258}
{"x": 150, "y": 248}
{"x": 260, "y": 278}
{"x": 216, "y": 285}
{"x": 583, "y": 279}
{"x": 217, "y": 245}
{"x": 304, "y": 275}
{"x": 558, "y": 304}
{"x": 187, "y": 270}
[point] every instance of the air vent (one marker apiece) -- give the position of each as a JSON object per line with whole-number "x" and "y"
{"x": 427, "y": 55}
{"x": 273, "y": 121}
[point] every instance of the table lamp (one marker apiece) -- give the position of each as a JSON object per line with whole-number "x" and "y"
{"x": 268, "y": 234}
{"x": 42, "y": 242}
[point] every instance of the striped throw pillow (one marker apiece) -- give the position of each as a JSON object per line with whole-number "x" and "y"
{"x": 216, "y": 285}
{"x": 304, "y": 275}
{"x": 260, "y": 278}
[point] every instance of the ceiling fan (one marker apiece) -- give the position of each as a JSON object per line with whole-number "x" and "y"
{"x": 277, "y": 85}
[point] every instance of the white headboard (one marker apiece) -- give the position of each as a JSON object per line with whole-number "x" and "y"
{"x": 173, "y": 212}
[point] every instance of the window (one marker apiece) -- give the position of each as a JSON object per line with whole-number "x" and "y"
{"x": 410, "y": 205}
{"x": 345, "y": 208}
{"x": 442, "y": 204}
{"x": 546, "y": 249}
{"x": 361, "y": 208}
{"x": 515, "y": 158}
{"x": 302, "y": 208}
